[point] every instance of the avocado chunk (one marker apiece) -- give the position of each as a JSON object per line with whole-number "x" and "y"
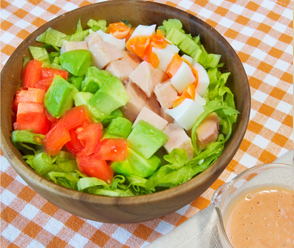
{"x": 122, "y": 167}
{"x": 76, "y": 62}
{"x": 136, "y": 165}
{"x": 119, "y": 127}
{"x": 59, "y": 97}
{"x": 94, "y": 79}
{"x": 82, "y": 98}
{"x": 146, "y": 139}
{"x": 77, "y": 81}
{"x": 111, "y": 96}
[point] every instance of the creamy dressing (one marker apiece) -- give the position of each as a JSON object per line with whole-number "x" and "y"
{"x": 262, "y": 217}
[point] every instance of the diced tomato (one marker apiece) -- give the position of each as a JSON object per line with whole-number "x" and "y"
{"x": 29, "y": 95}
{"x": 90, "y": 137}
{"x": 76, "y": 117}
{"x": 138, "y": 45}
{"x": 31, "y": 73}
{"x": 27, "y": 107}
{"x": 44, "y": 83}
{"x": 174, "y": 65}
{"x": 55, "y": 139}
{"x": 52, "y": 72}
{"x": 112, "y": 149}
{"x": 119, "y": 30}
{"x": 95, "y": 168}
{"x": 74, "y": 145}
{"x": 37, "y": 122}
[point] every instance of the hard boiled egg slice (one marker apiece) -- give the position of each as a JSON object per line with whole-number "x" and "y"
{"x": 203, "y": 78}
{"x": 200, "y": 100}
{"x": 182, "y": 78}
{"x": 143, "y": 30}
{"x": 186, "y": 113}
{"x": 188, "y": 59}
{"x": 165, "y": 55}
{"x": 120, "y": 43}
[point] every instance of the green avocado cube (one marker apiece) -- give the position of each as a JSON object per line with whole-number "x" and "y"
{"x": 175, "y": 36}
{"x": 145, "y": 139}
{"x": 59, "y": 97}
{"x": 94, "y": 79}
{"x": 111, "y": 96}
{"x": 136, "y": 165}
{"x": 122, "y": 167}
{"x": 82, "y": 98}
{"x": 77, "y": 81}
{"x": 141, "y": 166}
{"x": 119, "y": 127}
{"x": 76, "y": 62}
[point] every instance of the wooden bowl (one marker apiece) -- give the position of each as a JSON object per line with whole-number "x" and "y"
{"x": 137, "y": 208}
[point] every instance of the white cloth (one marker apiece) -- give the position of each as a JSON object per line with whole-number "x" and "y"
{"x": 200, "y": 231}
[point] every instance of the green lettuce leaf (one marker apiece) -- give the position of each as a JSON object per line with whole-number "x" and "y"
{"x": 52, "y": 37}
{"x": 40, "y": 54}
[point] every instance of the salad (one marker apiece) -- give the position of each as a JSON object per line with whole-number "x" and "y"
{"x": 118, "y": 110}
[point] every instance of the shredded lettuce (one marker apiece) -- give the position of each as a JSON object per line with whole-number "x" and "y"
{"x": 52, "y": 37}
{"x": 40, "y": 54}
{"x": 80, "y": 34}
{"x": 26, "y": 141}
{"x": 97, "y": 25}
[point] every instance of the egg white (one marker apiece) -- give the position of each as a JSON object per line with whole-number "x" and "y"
{"x": 203, "y": 78}
{"x": 182, "y": 78}
{"x": 186, "y": 113}
{"x": 165, "y": 55}
{"x": 143, "y": 30}
{"x": 119, "y": 43}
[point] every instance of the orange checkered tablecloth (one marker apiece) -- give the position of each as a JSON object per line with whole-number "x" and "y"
{"x": 260, "y": 31}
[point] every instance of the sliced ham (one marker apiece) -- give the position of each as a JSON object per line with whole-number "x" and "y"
{"x": 137, "y": 102}
{"x": 103, "y": 53}
{"x": 149, "y": 116}
{"x": 178, "y": 138}
{"x": 166, "y": 94}
{"x": 92, "y": 38}
{"x": 121, "y": 69}
{"x": 153, "y": 104}
{"x": 207, "y": 131}
{"x": 73, "y": 45}
{"x": 146, "y": 77}
{"x": 132, "y": 59}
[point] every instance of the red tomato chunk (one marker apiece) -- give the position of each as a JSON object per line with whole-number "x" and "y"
{"x": 95, "y": 168}
{"x": 112, "y": 149}
{"x": 31, "y": 74}
{"x": 37, "y": 122}
{"x": 90, "y": 137}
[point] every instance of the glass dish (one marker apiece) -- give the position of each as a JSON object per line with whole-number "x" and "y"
{"x": 274, "y": 174}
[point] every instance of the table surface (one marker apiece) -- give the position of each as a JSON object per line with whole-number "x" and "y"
{"x": 261, "y": 32}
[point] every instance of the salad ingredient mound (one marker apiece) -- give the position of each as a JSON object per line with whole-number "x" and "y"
{"x": 118, "y": 110}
